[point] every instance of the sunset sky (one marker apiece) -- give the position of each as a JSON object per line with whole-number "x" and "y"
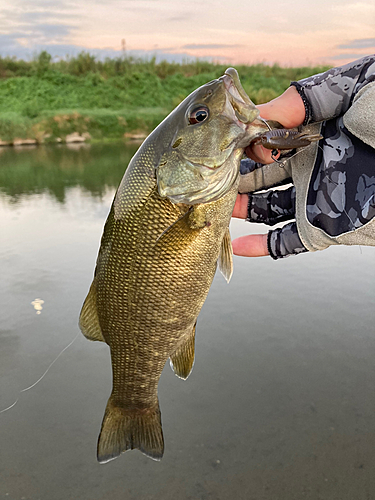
{"x": 274, "y": 31}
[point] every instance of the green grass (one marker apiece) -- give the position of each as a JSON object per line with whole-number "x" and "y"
{"x": 42, "y": 99}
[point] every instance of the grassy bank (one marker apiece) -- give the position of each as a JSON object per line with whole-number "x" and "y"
{"x": 46, "y": 100}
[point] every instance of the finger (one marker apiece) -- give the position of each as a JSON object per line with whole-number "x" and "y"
{"x": 254, "y": 245}
{"x": 288, "y": 109}
{"x": 271, "y": 207}
{"x": 240, "y": 207}
{"x": 260, "y": 154}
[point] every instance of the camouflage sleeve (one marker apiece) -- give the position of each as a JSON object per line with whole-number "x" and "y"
{"x": 272, "y": 206}
{"x": 284, "y": 242}
{"x": 330, "y": 94}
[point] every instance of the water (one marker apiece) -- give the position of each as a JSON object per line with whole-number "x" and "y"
{"x": 280, "y": 404}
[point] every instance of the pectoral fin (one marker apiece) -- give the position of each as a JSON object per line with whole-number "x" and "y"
{"x": 182, "y": 360}
{"x": 225, "y": 260}
{"x": 198, "y": 218}
{"x": 177, "y": 226}
{"x": 88, "y": 319}
{"x": 194, "y": 218}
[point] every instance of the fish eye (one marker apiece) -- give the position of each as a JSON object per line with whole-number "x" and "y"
{"x": 198, "y": 115}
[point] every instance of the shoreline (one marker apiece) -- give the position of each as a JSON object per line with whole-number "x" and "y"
{"x": 74, "y": 138}
{"x": 76, "y": 126}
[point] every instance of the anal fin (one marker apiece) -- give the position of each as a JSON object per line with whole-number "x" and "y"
{"x": 182, "y": 360}
{"x": 225, "y": 260}
{"x": 88, "y": 319}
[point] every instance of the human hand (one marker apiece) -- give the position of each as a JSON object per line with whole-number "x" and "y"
{"x": 270, "y": 208}
{"x": 287, "y": 109}
{"x": 333, "y": 196}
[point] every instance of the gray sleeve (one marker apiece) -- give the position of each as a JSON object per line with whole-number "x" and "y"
{"x": 330, "y": 94}
{"x": 255, "y": 176}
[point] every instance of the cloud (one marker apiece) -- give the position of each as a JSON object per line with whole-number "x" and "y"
{"x": 40, "y": 22}
{"x": 52, "y": 30}
{"x": 42, "y": 11}
{"x": 195, "y": 46}
{"x": 42, "y": 31}
{"x": 51, "y": 4}
{"x": 9, "y": 46}
{"x": 181, "y": 18}
{"x": 350, "y": 57}
{"x": 44, "y": 16}
{"x": 360, "y": 43}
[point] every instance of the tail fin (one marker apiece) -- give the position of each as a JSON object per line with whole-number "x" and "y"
{"x": 124, "y": 430}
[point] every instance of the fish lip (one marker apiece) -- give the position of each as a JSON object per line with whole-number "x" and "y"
{"x": 235, "y": 83}
{"x": 245, "y": 110}
{"x": 231, "y": 87}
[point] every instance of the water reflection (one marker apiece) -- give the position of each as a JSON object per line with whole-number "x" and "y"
{"x": 54, "y": 169}
{"x": 280, "y": 404}
{"x": 38, "y": 305}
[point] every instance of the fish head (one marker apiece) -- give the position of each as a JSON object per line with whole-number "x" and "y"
{"x": 212, "y": 126}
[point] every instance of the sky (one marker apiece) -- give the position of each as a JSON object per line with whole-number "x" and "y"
{"x": 290, "y": 33}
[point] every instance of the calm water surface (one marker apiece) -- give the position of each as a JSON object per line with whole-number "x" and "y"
{"x": 280, "y": 404}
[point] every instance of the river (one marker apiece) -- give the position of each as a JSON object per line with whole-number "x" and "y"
{"x": 280, "y": 404}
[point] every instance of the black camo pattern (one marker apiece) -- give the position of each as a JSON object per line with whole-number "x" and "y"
{"x": 272, "y": 207}
{"x": 284, "y": 242}
{"x": 341, "y": 195}
{"x": 247, "y": 166}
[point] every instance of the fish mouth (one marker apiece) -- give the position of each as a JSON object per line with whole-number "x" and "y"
{"x": 233, "y": 85}
{"x": 243, "y": 107}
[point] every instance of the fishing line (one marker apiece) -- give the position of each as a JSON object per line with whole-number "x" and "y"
{"x": 282, "y": 163}
{"x": 44, "y": 374}
{"x": 11, "y": 406}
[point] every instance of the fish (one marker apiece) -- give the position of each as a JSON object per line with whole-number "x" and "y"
{"x": 165, "y": 235}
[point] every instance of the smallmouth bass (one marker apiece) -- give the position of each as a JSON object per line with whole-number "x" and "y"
{"x": 167, "y": 229}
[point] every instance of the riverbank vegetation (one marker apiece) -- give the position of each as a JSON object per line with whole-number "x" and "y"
{"x": 47, "y": 100}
